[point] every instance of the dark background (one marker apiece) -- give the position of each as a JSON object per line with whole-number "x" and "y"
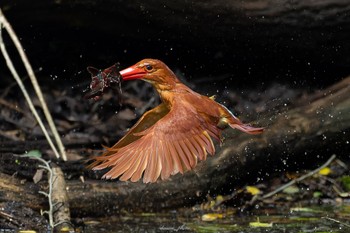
{"x": 240, "y": 44}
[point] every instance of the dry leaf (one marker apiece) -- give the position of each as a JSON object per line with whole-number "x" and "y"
{"x": 38, "y": 175}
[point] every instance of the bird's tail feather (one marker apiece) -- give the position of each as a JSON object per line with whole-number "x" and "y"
{"x": 247, "y": 128}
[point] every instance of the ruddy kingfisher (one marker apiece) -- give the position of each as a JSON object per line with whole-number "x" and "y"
{"x": 171, "y": 137}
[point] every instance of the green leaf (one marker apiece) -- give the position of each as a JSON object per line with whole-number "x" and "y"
{"x": 317, "y": 194}
{"x": 345, "y": 180}
{"x": 34, "y": 153}
{"x": 291, "y": 189}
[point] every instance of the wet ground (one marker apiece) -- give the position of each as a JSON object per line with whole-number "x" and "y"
{"x": 299, "y": 220}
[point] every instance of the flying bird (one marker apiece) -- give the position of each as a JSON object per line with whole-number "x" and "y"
{"x": 171, "y": 137}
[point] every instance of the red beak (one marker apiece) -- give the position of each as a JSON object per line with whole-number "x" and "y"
{"x": 133, "y": 72}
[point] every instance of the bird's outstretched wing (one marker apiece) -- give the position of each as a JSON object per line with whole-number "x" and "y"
{"x": 162, "y": 143}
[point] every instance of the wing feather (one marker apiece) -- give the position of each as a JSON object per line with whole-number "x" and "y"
{"x": 176, "y": 160}
{"x": 108, "y": 161}
{"x": 135, "y": 163}
{"x": 188, "y": 154}
{"x": 206, "y": 143}
{"x": 199, "y": 149}
{"x": 210, "y": 145}
{"x": 193, "y": 151}
{"x": 182, "y": 155}
{"x": 162, "y": 143}
{"x": 214, "y": 132}
{"x": 201, "y": 143}
{"x": 118, "y": 170}
{"x": 157, "y": 163}
{"x": 166, "y": 160}
{"x": 147, "y": 120}
{"x": 142, "y": 166}
{"x": 150, "y": 165}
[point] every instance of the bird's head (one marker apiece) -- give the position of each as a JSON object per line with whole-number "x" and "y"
{"x": 153, "y": 71}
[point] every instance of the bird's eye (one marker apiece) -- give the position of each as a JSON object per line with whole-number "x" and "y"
{"x": 148, "y": 67}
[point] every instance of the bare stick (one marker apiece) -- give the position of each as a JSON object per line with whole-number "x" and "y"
{"x": 337, "y": 221}
{"x": 300, "y": 178}
{"x": 7, "y": 26}
{"x": 61, "y": 212}
{"x": 23, "y": 89}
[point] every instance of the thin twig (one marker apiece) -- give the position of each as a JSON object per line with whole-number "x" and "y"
{"x": 337, "y": 221}
{"x": 7, "y": 26}
{"x": 21, "y": 85}
{"x": 300, "y": 178}
{"x": 47, "y": 167}
{"x": 56, "y": 195}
